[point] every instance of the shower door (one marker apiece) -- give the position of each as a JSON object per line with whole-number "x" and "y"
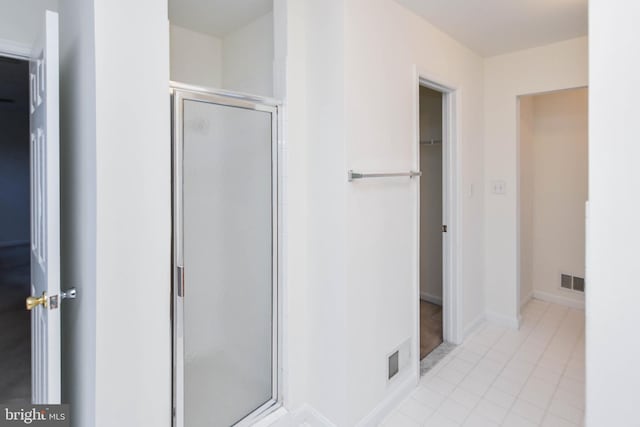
{"x": 225, "y": 257}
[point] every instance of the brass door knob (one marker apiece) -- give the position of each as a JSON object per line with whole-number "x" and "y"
{"x": 36, "y": 301}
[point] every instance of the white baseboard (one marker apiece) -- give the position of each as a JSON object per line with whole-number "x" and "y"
{"x": 278, "y": 418}
{"x": 431, "y": 298}
{"x": 526, "y": 299}
{"x": 473, "y": 326}
{"x": 501, "y": 319}
{"x": 389, "y": 403}
{"x": 307, "y": 416}
{"x": 558, "y": 299}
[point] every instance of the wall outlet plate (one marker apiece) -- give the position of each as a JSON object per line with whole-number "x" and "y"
{"x": 498, "y": 187}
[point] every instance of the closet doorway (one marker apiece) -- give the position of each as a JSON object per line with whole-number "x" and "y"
{"x": 438, "y": 298}
{"x": 431, "y": 220}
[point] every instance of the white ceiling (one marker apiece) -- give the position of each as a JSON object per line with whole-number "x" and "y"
{"x": 492, "y": 27}
{"x": 216, "y": 17}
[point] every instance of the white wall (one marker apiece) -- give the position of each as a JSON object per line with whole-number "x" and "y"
{"x": 557, "y": 66}
{"x": 381, "y": 217}
{"x": 613, "y": 229}
{"x": 78, "y": 207}
{"x": 320, "y": 69}
{"x": 133, "y": 208}
{"x": 247, "y": 58}
{"x": 431, "y": 196}
{"x": 196, "y": 58}
{"x": 20, "y": 21}
{"x": 556, "y": 153}
{"x": 291, "y": 58}
{"x": 241, "y": 61}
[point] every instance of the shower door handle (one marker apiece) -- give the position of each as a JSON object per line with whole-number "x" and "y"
{"x": 180, "y": 278}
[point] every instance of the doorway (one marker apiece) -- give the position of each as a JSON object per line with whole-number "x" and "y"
{"x": 553, "y": 190}
{"x": 431, "y": 220}
{"x": 15, "y": 321}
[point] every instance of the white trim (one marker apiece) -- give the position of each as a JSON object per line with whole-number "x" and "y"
{"x": 389, "y": 403}
{"x": 474, "y": 325}
{"x": 501, "y": 319}
{"x": 272, "y": 419}
{"x": 180, "y": 92}
{"x": 14, "y": 49}
{"x": 452, "y": 254}
{"x": 558, "y": 299}
{"x": 526, "y": 299}
{"x": 433, "y": 299}
{"x": 305, "y": 415}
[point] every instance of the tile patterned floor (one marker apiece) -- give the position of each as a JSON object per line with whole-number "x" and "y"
{"x": 500, "y": 377}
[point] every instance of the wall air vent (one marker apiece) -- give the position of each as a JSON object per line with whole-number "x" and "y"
{"x": 394, "y": 364}
{"x": 397, "y": 361}
{"x": 572, "y": 283}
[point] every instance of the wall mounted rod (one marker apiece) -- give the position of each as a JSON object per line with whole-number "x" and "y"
{"x": 357, "y": 175}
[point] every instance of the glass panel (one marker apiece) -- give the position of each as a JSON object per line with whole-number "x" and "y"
{"x": 228, "y": 263}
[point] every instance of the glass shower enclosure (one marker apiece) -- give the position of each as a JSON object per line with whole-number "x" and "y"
{"x": 225, "y": 258}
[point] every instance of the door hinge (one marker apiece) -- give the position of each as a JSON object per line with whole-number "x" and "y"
{"x": 444, "y": 228}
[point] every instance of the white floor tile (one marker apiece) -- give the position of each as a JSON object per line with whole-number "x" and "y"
{"x": 509, "y": 385}
{"x": 464, "y": 397}
{"x": 438, "y": 420}
{"x": 499, "y": 397}
{"x": 515, "y": 420}
{"x": 530, "y": 377}
{"x": 476, "y": 420}
{"x": 451, "y": 375}
{"x": 528, "y": 411}
{"x": 491, "y": 411}
{"x": 554, "y": 421}
{"x": 537, "y": 392}
{"x": 474, "y": 386}
{"x": 440, "y": 385}
{"x": 415, "y": 410}
{"x": 428, "y": 397}
{"x": 453, "y": 410}
{"x": 566, "y": 411}
{"x": 398, "y": 419}
{"x": 461, "y": 365}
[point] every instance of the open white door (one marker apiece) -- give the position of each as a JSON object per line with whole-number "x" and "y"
{"x": 44, "y": 302}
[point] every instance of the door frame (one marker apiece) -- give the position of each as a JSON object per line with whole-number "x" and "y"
{"x": 451, "y": 206}
{"x": 180, "y": 92}
{"x": 11, "y": 49}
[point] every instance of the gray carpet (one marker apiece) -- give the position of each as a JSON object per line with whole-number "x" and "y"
{"x": 15, "y": 327}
